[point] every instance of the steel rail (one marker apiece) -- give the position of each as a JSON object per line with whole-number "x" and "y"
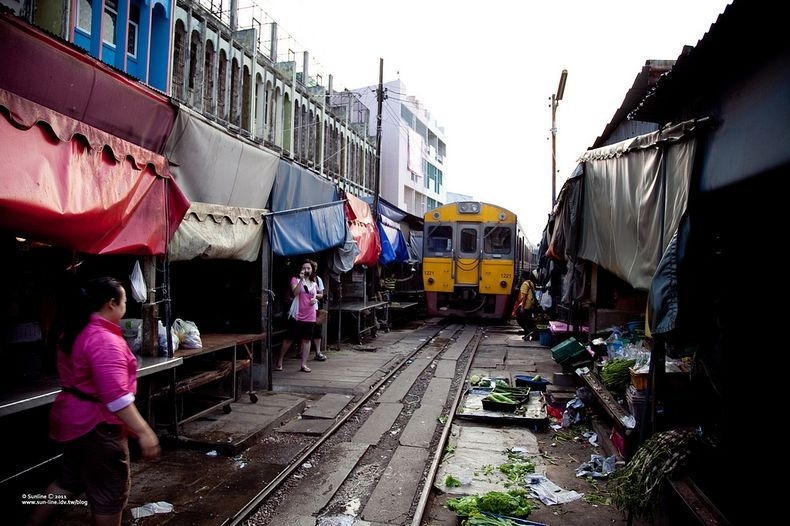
{"x": 252, "y": 506}
{"x": 426, "y": 490}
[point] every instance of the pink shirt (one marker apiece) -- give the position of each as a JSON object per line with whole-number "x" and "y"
{"x": 306, "y": 308}
{"x": 101, "y": 365}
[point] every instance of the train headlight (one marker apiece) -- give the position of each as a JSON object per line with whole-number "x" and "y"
{"x": 431, "y": 280}
{"x": 503, "y": 283}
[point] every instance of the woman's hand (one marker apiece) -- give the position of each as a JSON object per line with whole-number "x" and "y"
{"x": 149, "y": 445}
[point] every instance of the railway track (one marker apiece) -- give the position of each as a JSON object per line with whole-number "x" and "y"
{"x": 378, "y": 461}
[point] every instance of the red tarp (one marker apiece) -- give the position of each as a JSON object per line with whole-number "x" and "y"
{"x": 71, "y": 185}
{"x": 364, "y": 231}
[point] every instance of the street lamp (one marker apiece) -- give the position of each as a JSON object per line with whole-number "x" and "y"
{"x": 555, "y": 99}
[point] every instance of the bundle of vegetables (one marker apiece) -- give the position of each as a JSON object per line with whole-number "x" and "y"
{"x": 488, "y": 520}
{"x": 615, "y": 374}
{"x": 636, "y": 488}
{"x": 512, "y": 392}
{"x": 514, "y": 503}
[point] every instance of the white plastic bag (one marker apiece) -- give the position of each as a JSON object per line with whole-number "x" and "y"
{"x": 293, "y": 312}
{"x": 545, "y": 300}
{"x": 138, "y": 283}
{"x": 188, "y": 334}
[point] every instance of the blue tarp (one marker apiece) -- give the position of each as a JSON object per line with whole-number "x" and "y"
{"x": 393, "y": 245}
{"x": 307, "y": 231}
{"x": 308, "y": 213}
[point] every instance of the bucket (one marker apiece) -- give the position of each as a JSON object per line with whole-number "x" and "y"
{"x": 545, "y": 337}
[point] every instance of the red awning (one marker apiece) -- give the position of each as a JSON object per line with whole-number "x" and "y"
{"x": 363, "y": 229}
{"x": 71, "y": 185}
{"x": 53, "y": 73}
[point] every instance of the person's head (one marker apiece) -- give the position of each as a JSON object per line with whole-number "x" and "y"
{"x": 314, "y": 265}
{"x": 104, "y": 296}
{"x": 306, "y": 270}
{"x": 107, "y": 297}
{"x": 525, "y": 275}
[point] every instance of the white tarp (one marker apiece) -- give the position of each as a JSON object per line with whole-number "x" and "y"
{"x": 218, "y": 232}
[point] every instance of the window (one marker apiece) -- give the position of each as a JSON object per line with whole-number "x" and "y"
{"x": 84, "y": 15}
{"x": 131, "y": 43}
{"x": 108, "y": 21}
{"x": 134, "y": 21}
{"x": 496, "y": 240}
{"x": 468, "y": 240}
{"x": 440, "y": 238}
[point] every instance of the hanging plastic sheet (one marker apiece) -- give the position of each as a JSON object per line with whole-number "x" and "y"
{"x": 307, "y": 231}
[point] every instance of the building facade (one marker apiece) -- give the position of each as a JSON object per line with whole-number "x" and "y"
{"x": 195, "y": 52}
{"x": 413, "y": 149}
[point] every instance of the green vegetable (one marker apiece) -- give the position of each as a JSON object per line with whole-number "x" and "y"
{"x": 451, "y": 482}
{"x": 474, "y": 379}
{"x": 615, "y": 374}
{"x": 536, "y": 378}
{"x": 513, "y": 504}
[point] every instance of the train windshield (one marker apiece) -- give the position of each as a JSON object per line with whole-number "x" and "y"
{"x": 440, "y": 238}
{"x": 468, "y": 240}
{"x": 497, "y": 240}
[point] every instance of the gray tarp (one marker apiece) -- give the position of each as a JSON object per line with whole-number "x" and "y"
{"x": 298, "y": 187}
{"x": 212, "y": 166}
{"x": 218, "y": 232}
{"x": 635, "y": 192}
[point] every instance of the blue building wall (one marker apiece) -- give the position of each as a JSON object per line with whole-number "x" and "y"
{"x": 149, "y": 59}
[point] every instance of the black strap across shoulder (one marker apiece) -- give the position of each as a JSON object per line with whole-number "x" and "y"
{"x": 80, "y": 394}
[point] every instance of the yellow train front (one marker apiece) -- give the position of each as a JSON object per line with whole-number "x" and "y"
{"x": 472, "y": 253}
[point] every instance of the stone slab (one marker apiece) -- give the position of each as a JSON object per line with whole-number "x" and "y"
{"x": 307, "y": 426}
{"x": 391, "y": 499}
{"x": 328, "y": 406}
{"x": 478, "y": 451}
{"x": 402, "y": 384}
{"x": 378, "y": 423}
{"x": 445, "y": 369}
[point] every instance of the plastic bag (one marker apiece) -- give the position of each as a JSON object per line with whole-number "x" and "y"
{"x": 187, "y": 333}
{"x": 545, "y": 300}
{"x": 138, "y": 283}
{"x": 294, "y": 310}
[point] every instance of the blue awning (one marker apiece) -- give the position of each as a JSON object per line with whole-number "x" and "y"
{"x": 300, "y": 231}
{"x": 393, "y": 244}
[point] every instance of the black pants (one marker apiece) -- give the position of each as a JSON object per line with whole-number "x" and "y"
{"x": 524, "y": 319}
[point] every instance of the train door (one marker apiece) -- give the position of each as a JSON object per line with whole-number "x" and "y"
{"x": 467, "y": 257}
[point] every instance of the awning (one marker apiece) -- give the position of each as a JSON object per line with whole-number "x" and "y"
{"x": 363, "y": 229}
{"x": 307, "y": 213}
{"x": 635, "y": 192}
{"x": 393, "y": 244}
{"x": 218, "y": 232}
{"x": 307, "y": 231}
{"x": 298, "y": 187}
{"x": 73, "y": 186}
{"x": 52, "y": 73}
{"x": 212, "y": 166}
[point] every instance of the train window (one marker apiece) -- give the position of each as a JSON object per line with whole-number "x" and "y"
{"x": 468, "y": 240}
{"x": 440, "y": 238}
{"x": 497, "y": 240}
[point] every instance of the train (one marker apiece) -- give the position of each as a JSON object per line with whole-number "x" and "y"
{"x": 473, "y": 255}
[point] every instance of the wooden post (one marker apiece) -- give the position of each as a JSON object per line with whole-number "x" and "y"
{"x": 150, "y": 310}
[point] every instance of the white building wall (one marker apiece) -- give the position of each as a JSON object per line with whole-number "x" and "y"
{"x": 397, "y": 185}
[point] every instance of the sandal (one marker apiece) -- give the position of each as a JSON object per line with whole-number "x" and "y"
{"x": 305, "y": 369}
{"x": 280, "y": 368}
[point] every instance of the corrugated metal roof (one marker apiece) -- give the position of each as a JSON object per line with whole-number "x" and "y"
{"x": 744, "y": 31}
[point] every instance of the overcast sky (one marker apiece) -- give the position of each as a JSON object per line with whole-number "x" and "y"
{"x": 486, "y": 71}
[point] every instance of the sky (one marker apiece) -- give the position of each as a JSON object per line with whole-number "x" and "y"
{"x": 486, "y": 72}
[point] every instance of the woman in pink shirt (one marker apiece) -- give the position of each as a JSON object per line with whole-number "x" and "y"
{"x": 94, "y": 413}
{"x": 301, "y": 317}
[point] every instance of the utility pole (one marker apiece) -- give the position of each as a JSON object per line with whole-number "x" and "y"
{"x": 555, "y": 99}
{"x": 380, "y": 99}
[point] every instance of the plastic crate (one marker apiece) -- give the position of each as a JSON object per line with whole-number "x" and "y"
{"x": 523, "y": 380}
{"x": 567, "y": 350}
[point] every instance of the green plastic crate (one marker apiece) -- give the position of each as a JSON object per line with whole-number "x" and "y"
{"x": 567, "y": 350}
